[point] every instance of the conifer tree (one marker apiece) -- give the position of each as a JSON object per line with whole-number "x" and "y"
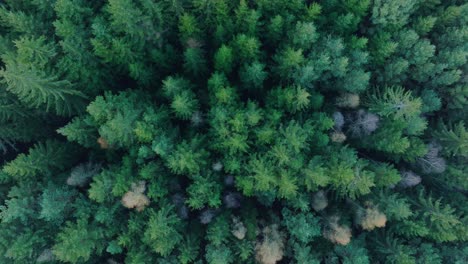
{"x": 216, "y": 131}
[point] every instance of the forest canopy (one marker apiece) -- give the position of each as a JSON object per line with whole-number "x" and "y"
{"x": 234, "y": 131}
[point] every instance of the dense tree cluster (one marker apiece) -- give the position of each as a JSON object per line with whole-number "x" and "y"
{"x": 233, "y": 131}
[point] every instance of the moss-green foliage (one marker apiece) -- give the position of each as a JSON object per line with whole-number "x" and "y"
{"x": 233, "y": 131}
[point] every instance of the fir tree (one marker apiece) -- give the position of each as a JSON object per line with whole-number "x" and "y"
{"x": 216, "y": 131}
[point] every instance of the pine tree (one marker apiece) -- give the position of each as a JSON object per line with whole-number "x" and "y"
{"x": 78, "y": 241}
{"x": 219, "y": 254}
{"x": 223, "y": 59}
{"x": 204, "y": 191}
{"x": 115, "y": 115}
{"x": 454, "y": 139}
{"x": 162, "y": 233}
{"x": 354, "y": 252}
{"x": 18, "y": 206}
{"x": 35, "y": 88}
{"x": 43, "y": 159}
{"x": 440, "y": 219}
{"x": 303, "y": 227}
{"x": 392, "y": 15}
{"x": 288, "y": 62}
{"x": 189, "y": 250}
{"x": 56, "y": 204}
{"x": 187, "y": 158}
{"x": 393, "y": 250}
{"x": 253, "y": 75}
{"x": 81, "y": 130}
{"x": 395, "y": 102}
{"x": 215, "y": 131}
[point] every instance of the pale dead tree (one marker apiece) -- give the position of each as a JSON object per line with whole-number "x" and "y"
{"x": 432, "y": 162}
{"x": 370, "y": 218}
{"x": 197, "y": 119}
{"x": 270, "y": 248}
{"x": 193, "y": 43}
{"x": 136, "y": 197}
{"x": 5, "y": 145}
{"x": 207, "y": 215}
{"x": 178, "y": 200}
{"x": 183, "y": 212}
{"x": 232, "y": 199}
{"x": 348, "y": 100}
{"x": 337, "y": 136}
{"x": 103, "y": 143}
{"x": 238, "y": 228}
{"x": 362, "y": 123}
{"x": 46, "y": 256}
{"x": 229, "y": 180}
{"x": 337, "y": 233}
{"x": 409, "y": 179}
{"x": 81, "y": 174}
{"x": 217, "y": 166}
{"x": 319, "y": 201}
{"x": 339, "y": 120}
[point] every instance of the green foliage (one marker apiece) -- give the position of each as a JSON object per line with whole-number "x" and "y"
{"x": 393, "y": 251}
{"x": 162, "y": 232}
{"x": 11, "y": 108}
{"x": 288, "y": 62}
{"x": 394, "y": 102}
{"x": 253, "y": 75}
{"x": 43, "y": 159}
{"x": 204, "y": 191}
{"x": 217, "y": 131}
{"x": 454, "y": 140}
{"x": 393, "y": 14}
{"x": 353, "y": 252}
{"x": 440, "y": 219}
{"x": 189, "y": 250}
{"x": 349, "y": 176}
{"x": 77, "y": 242}
{"x": 247, "y": 48}
{"x": 37, "y": 88}
{"x": 385, "y": 174}
{"x": 187, "y": 158}
{"x": 223, "y": 59}
{"x": 188, "y": 26}
{"x": 382, "y": 47}
{"x": 292, "y": 99}
{"x": 304, "y": 35}
{"x": 184, "y": 105}
{"x": 81, "y": 130}
{"x": 303, "y": 227}
{"x": 394, "y": 206}
{"x": 217, "y": 232}
{"x": 184, "y": 102}
{"x": 25, "y": 247}
{"x": 431, "y": 101}
{"x": 428, "y": 254}
{"x": 303, "y": 254}
{"x": 218, "y": 254}
{"x": 55, "y": 203}
{"x": 116, "y": 116}
{"x": 18, "y": 206}
{"x": 194, "y": 62}
{"x": 101, "y": 187}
